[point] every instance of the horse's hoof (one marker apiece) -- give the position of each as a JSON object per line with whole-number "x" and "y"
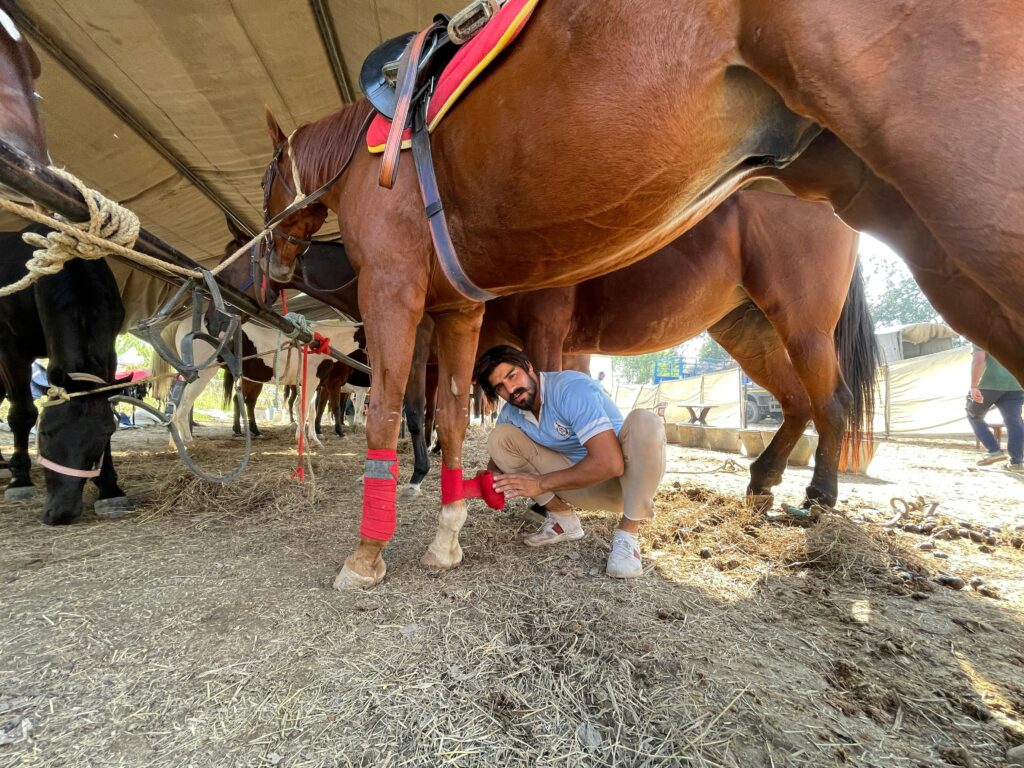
{"x": 20, "y": 493}
{"x": 350, "y": 579}
{"x": 760, "y": 502}
{"x": 438, "y": 560}
{"x": 410, "y": 492}
{"x": 113, "y": 508}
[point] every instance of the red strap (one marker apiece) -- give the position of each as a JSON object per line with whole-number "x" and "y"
{"x": 455, "y": 488}
{"x": 320, "y": 345}
{"x": 299, "y": 472}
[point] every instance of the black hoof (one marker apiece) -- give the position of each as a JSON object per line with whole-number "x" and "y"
{"x": 118, "y": 506}
{"x": 19, "y": 493}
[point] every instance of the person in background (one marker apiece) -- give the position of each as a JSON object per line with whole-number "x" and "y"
{"x": 992, "y": 384}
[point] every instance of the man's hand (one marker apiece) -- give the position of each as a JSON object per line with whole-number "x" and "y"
{"x": 976, "y": 395}
{"x": 514, "y": 486}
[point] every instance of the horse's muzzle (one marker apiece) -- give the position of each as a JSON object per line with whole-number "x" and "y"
{"x": 278, "y": 272}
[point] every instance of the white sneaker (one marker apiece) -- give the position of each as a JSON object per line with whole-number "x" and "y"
{"x": 624, "y": 560}
{"x": 554, "y": 530}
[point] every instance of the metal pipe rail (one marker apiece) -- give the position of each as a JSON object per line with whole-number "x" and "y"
{"x": 24, "y": 175}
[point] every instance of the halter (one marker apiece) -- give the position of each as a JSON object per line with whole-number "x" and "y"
{"x": 58, "y": 396}
{"x": 273, "y": 174}
{"x": 299, "y": 202}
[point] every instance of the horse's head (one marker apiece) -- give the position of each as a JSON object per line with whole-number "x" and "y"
{"x": 282, "y": 187}
{"x": 72, "y": 438}
{"x": 20, "y": 125}
{"x": 247, "y": 272}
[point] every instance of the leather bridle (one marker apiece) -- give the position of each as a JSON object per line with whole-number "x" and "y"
{"x": 299, "y": 202}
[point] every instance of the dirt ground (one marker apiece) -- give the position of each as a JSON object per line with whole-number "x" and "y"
{"x": 204, "y": 630}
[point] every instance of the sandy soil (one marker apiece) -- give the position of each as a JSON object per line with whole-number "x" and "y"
{"x": 203, "y": 630}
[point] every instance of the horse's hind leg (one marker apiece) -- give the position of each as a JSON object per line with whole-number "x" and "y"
{"x": 291, "y": 392}
{"x": 457, "y": 334}
{"x": 251, "y": 394}
{"x": 750, "y": 339}
{"x": 21, "y": 417}
{"x": 111, "y": 501}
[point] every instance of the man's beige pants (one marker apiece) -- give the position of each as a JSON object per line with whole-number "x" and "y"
{"x": 642, "y": 438}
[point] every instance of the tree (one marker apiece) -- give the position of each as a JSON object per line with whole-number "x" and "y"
{"x": 638, "y": 369}
{"x": 901, "y": 302}
{"x": 893, "y": 295}
{"x": 711, "y": 350}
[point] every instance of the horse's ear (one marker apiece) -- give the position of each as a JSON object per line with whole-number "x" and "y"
{"x": 235, "y": 230}
{"x": 276, "y": 134}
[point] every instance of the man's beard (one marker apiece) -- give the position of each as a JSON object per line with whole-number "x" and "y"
{"x": 526, "y": 398}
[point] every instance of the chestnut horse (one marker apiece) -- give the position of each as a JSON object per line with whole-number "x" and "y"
{"x": 326, "y": 274}
{"x": 610, "y": 128}
{"x": 735, "y": 274}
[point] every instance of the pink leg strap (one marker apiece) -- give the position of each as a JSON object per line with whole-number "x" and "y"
{"x": 380, "y": 487}
{"x": 455, "y": 488}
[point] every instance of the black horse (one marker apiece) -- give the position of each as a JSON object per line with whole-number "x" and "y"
{"x": 72, "y": 318}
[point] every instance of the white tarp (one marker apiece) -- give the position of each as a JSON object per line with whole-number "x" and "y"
{"x": 921, "y": 396}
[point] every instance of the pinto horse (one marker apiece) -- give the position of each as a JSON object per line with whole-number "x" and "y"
{"x": 608, "y": 129}
{"x": 734, "y": 274}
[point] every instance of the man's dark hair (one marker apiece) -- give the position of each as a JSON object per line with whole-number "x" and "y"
{"x": 491, "y": 359}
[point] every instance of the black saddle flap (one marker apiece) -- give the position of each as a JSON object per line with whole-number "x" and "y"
{"x": 376, "y": 88}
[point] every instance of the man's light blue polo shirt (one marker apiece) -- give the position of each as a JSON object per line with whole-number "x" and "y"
{"x": 573, "y": 408}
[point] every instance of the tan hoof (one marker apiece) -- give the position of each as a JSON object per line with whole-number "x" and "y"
{"x": 441, "y": 558}
{"x": 760, "y": 502}
{"x": 348, "y": 578}
{"x": 410, "y": 492}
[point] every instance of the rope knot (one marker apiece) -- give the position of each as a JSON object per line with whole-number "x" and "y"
{"x": 300, "y": 324}
{"x": 55, "y": 396}
{"x": 107, "y": 220}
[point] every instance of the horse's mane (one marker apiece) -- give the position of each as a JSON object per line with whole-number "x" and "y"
{"x": 322, "y": 147}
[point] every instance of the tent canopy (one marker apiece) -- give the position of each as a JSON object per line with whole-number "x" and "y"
{"x": 160, "y": 105}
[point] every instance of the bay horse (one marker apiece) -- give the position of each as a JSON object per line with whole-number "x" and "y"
{"x": 72, "y": 318}
{"x": 610, "y": 128}
{"x": 781, "y": 318}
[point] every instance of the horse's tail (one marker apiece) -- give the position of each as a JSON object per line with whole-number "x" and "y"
{"x": 229, "y": 386}
{"x": 159, "y": 369}
{"x": 857, "y": 348}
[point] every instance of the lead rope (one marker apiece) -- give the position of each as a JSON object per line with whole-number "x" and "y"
{"x": 299, "y": 473}
{"x": 111, "y": 229}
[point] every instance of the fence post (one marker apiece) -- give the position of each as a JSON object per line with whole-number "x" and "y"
{"x": 888, "y": 401}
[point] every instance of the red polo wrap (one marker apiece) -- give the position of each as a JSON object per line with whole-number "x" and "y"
{"x": 455, "y": 488}
{"x": 379, "y": 509}
{"x": 320, "y": 345}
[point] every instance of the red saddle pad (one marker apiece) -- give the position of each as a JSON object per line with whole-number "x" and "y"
{"x": 469, "y": 61}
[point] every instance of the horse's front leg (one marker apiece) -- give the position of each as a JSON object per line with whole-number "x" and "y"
{"x": 111, "y": 501}
{"x": 21, "y": 417}
{"x": 390, "y": 315}
{"x": 457, "y": 334}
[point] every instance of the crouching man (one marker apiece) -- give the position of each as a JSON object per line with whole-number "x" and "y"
{"x": 564, "y": 442}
